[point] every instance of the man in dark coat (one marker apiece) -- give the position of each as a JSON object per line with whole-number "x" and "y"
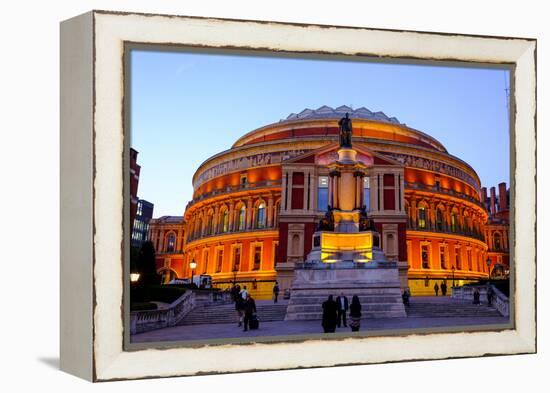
{"x": 342, "y": 303}
{"x": 436, "y": 289}
{"x": 443, "y": 288}
{"x": 329, "y": 315}
{"x": 275, "y": 292}
{"x": 249, "y": 310}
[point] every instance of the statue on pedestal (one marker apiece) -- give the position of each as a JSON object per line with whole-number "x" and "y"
{"x": 345, "y": 131}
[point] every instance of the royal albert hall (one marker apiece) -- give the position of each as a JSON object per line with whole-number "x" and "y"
{"x": 256, "y": 206}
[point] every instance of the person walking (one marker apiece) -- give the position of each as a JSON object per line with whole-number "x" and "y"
{"x": 355, "y": 314}
{"x": 249, "y": 307}
{"x": 239, "y": 307}
{"x": 436, "y": 289}
{"x": 329, "y": 315}
{"x": 443, "y": 289}
{"x": 490, "y": 294}
{"x": 244, "y": 293}
{"x": 342, "y": 303}
{"x": 476, "y": 296}
{"x": 405, "y": 296}
{"x": 275, "y": 292}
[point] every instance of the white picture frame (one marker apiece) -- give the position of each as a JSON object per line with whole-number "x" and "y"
{"x": 92, "y": 185}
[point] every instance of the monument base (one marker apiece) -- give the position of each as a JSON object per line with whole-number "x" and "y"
{"x": 376, "y": 283}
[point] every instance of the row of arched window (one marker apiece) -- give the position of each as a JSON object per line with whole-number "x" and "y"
{"x": 210, "y": 224}
{"x": 444, "y": 221}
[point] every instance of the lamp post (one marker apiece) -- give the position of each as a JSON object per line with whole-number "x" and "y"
{"x": 192, "y": 265}
{"x": 489, "y": 267}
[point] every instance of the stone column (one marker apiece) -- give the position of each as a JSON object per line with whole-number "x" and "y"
{"x": 270, "y": 211}
{"x": 330, "y": 191}
{"x": 396, "y": 191}
{"x": 250, "y": 213}
{"x": 283, "y": 191}
{"x": 289, "y": 193}
{"x": 414, "y": 213}
{"x": 231, "y": 214}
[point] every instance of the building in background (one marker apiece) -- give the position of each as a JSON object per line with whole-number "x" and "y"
{"x": 497, "y": 229}
{"x": 167, "y": 235}
{"x": 255, "y": 206}
{"x": 134, "y": 183}
{"x": 143, "y": 216}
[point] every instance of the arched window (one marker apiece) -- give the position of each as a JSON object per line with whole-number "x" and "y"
{"x": 439, "y": 219}
{"x": 241, "y": 218}
{"x": 496, "y": 241}
{"x": 171, "y": 243}
{"x": 209, "y": 224}
{"x": 422, "y": 217}
{"x": 224, "y": 222}
{"x": 453, "y": 222}
{"x": 260, "y": 216}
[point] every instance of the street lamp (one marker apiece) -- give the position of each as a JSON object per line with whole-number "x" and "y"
{"x": 134, "y": 277}
{"x": 193, "y": 266}
{"x": 489, "y": 267}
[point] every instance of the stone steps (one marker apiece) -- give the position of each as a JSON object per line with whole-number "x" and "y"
{"x": 227, "y": 314}
{"x": 424, "y": 308}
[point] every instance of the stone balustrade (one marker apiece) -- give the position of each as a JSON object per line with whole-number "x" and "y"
{"x": 500, "y": 302}
{"x": 144, "y": 321}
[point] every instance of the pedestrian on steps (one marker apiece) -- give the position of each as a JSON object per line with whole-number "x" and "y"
{"x": 436, "y": 289}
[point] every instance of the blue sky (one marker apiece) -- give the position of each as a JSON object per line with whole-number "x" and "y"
{"x": 187, "y": 107}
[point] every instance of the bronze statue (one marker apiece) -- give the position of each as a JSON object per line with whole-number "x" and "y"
{"x": 345, "y": 131}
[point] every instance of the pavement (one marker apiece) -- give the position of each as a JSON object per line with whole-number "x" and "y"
{"x": 286, "y": 328}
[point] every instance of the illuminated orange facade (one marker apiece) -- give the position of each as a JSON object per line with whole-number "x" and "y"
{"x": 256, "y": 206}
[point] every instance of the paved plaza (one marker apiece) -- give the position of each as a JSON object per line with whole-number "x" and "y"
{"x": 286, "y": 328}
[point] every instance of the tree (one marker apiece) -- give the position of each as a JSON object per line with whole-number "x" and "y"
{"x": 147, "y": 264}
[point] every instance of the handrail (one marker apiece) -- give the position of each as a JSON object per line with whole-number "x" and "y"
{"x": 146, "y": 320}
{"x": 499, "y": 301}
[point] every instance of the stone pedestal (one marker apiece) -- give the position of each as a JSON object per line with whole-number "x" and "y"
{"x": 376, "y": 283}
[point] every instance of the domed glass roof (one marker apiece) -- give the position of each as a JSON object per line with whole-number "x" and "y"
{"x": 326, "y": 112}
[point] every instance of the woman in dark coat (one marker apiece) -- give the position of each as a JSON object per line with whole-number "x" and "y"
{"x": 355, "y": 314}
{"x": 330, "y": 317}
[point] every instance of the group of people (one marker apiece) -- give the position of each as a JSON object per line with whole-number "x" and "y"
{"x": 244, "y": 305}
{"x": 443, "y": 289}
{"x": 489, "y": 293}
{"x": 334, "y": 313}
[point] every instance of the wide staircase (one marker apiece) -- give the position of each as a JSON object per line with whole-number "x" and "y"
{"x": 266, "y": 310}
{"x": 447, "y": 307}
{"x": 308, "y": 306}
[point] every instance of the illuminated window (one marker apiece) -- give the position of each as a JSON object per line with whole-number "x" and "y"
{"x": 225, "y": 221}
{"x": 171, "y": 244}
{"x": 219, "y": 261}
{"x": 257, "y": 257}
{"x": 209, "y": 224}
{"x": 244, "y": 181}
{"x": 236, "y": 259}
{"x": 453, "y": 222}
{"x": 425, "y": 257}
{"x": 322, "y": 194}
{"x": 439, "y": 220}
{"x": 240, "y": 218}
{"x": 458, "y": 259}
{"x": 260, "y": 216}
{"x": 422, "y": 217}
{"x": 442, "y": 257}
{"x": 366, "y": 193}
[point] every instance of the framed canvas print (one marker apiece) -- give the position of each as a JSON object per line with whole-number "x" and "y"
{"x": 248, "y": 195}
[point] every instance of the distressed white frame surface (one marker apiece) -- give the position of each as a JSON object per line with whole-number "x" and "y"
{"x": 110, "y": 31}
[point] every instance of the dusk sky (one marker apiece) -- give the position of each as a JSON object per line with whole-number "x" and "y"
{"x": 187, "y": 107}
